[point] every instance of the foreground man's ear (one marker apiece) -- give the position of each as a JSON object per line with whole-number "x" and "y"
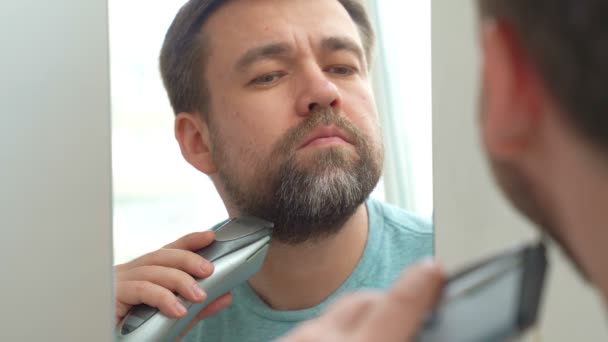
{"x": 192, "y": 134}
{"x": 513, "y": 93}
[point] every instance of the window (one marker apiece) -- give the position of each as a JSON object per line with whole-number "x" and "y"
{"x": 158, "y": 196}
{"x": 402, "y": 82}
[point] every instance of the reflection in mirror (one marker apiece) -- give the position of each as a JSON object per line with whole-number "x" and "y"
{"x": 283, "y": 126}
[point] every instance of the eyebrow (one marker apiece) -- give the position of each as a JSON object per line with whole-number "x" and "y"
{"x": 281, "y": 50}
{"x": 332, "y": 44}
{"x": 268, "y": 51}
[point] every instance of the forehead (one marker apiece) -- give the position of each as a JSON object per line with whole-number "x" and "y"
{"x": 242, "y": 24}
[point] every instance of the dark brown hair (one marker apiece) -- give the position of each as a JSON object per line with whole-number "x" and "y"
{"x": 567, "y": 42}
{"x": 184, "y": 51}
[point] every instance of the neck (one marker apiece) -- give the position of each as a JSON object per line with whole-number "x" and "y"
{"x": 584, "y": 207}
{"x": 577, "y": 183}
{"x": 303, "y": 276}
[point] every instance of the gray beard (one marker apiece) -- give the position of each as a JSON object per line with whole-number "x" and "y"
{"x": 309, "y": 203}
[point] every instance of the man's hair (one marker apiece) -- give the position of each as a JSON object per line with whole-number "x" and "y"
{"x": 567, "y": 42}
{"x": 185, "y": 50}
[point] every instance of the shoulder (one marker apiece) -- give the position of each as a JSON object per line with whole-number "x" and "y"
{"x": 395, "y": 218}
{"x": 397, "y": 239}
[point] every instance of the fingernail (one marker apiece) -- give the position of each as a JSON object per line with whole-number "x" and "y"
{"x": 206, "y": 266}
{"x": 432, "y": 266}
{"x": 198, "y": 291}
{"x": 180, "y": 309}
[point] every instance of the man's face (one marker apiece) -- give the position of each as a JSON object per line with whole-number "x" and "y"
{"x": 293, "y": 127}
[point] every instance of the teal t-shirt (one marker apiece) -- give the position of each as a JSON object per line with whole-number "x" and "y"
{"x": 396, "y": 239}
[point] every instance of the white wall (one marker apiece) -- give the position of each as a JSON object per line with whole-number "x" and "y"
{"x": 471, "y": 216}
{"x": 55, "y": 197}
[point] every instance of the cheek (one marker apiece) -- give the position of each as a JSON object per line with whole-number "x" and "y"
{"x": 361, "y": 109}
{"x": 358, "y": 95}
{"x": 249, "y": 133}
{"x": 249, "y": 123}
{"x": 240, "y": 138}
{"x": 269, "y": 109}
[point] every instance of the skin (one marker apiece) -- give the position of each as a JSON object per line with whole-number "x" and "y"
{"x": 307, "y": 75}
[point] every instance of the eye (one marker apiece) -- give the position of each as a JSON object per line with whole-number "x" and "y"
{"x": 342, "y": 70}
{"x": 267, "y": 79}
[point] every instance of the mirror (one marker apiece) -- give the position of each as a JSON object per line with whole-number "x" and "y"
{"x": 159, "y": 196}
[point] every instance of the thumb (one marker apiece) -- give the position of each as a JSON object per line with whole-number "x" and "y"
{"x": 409, "y": 301}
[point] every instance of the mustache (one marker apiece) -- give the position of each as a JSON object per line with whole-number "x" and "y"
{"x": 320, "y": 117}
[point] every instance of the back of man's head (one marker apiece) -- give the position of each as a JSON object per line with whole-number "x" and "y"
{"x": 567, "y": 41}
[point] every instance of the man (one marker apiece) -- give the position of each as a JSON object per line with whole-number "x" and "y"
{"x": 544, "y": 123}
{"x": 273, "y": 102}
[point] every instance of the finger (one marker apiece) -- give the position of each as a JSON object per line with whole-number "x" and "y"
{"x": 406, "y": 305}
{"x": 169, "y": 278}
{"x": 143, "y": 292}
{"x": 193, "y": 241}
{"x": 315, "y": 331}
{"x": 214, "y": 307}
{"x": 120, "y": 311}
{"x": 186, "y": 261}
{"x": 349, "y": 309}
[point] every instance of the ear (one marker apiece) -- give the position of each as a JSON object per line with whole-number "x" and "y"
{"x": 512, "y": 104}
{"x": 192, "y": 134}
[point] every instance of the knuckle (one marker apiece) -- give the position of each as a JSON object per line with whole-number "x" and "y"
{"x": 194, "y": 261}
{"x": 155, "y": 258}
{"x": 141, "y": 287}
{"x": 184, "y": 284}
{"x": 168, "y": 299}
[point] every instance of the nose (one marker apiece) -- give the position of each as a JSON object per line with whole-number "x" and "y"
{"x": 317, "y": 91}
